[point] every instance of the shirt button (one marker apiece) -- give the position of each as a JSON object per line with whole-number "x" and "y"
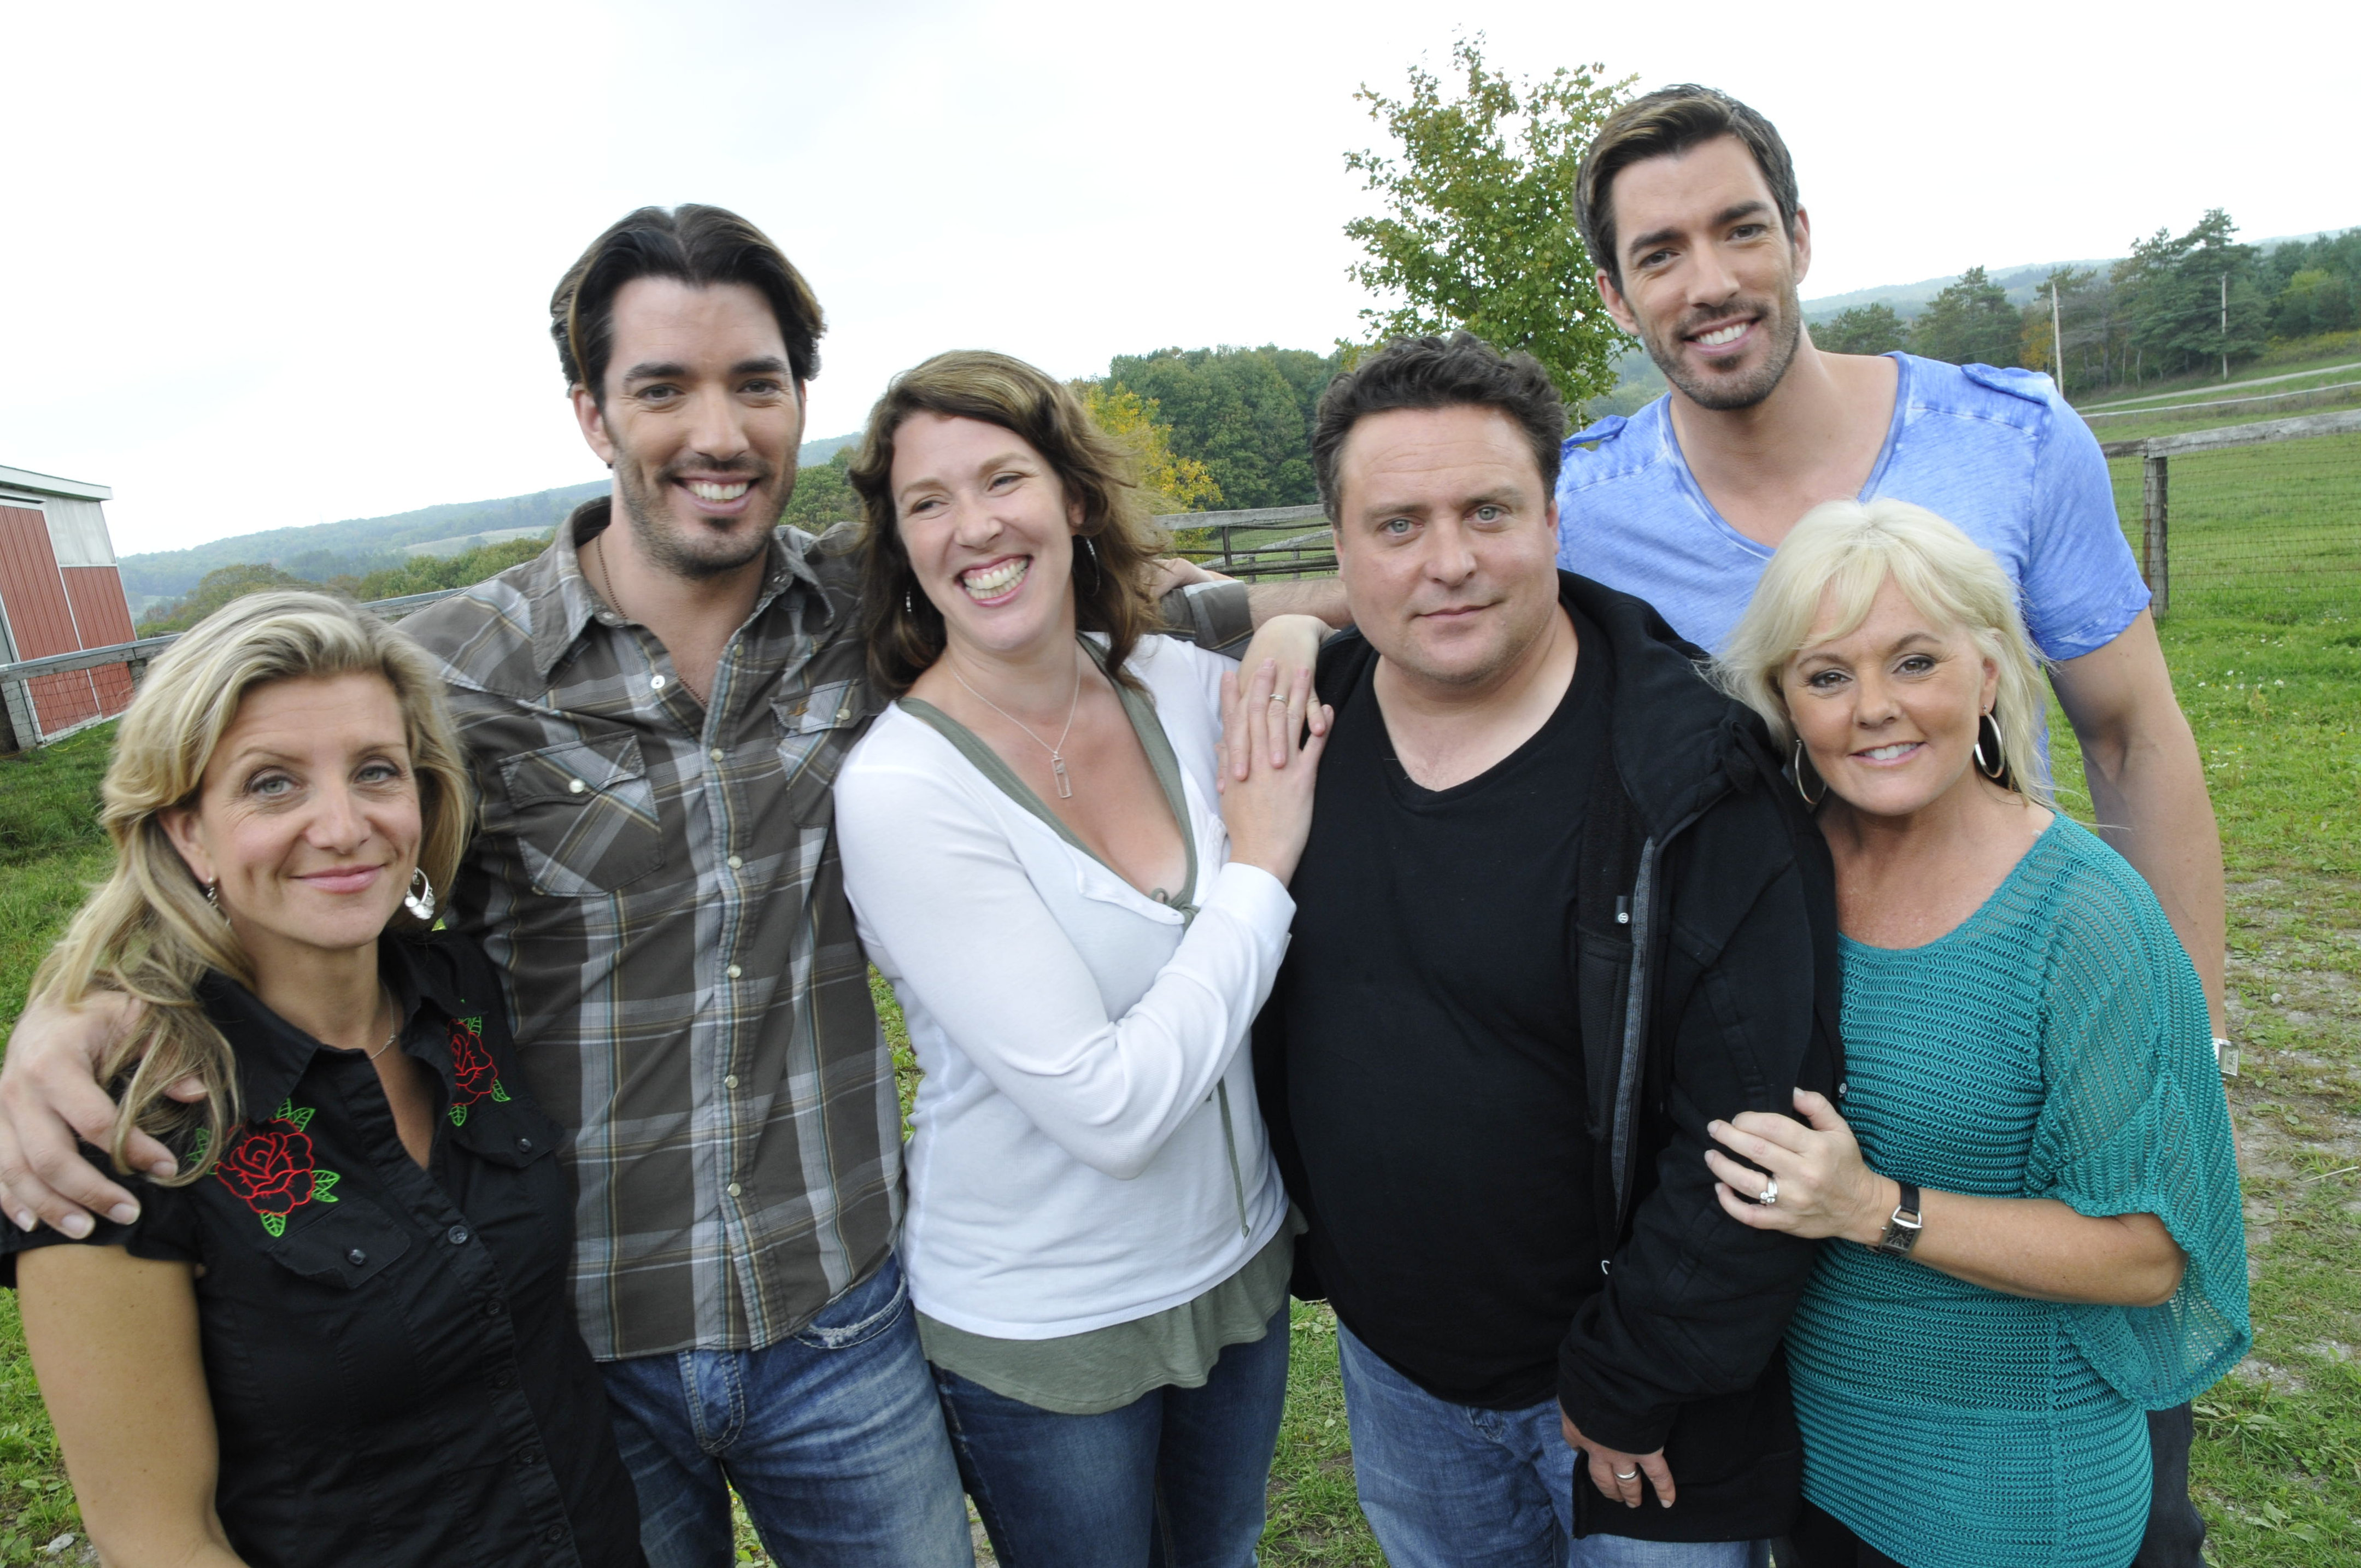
{"x": 655, "y": 683}
{"x": 731, "y": 1082}
{"x": 716, "y": 754}
{"x": 528, "y": 1456}
{"x": 493, "y": 1308}
{"x": 732, "y": 1189}
{"x": 575, "y": 786}
{"x": 524, "y": 1146}
{"x": 356, "y": 1258}
{"x": 734, "y": 863}
{"x": 732, "y": 971}
{"x": 456, "y": 1235}
{"x": 555, "y": 1534}
{"x": 504, "y": 1378}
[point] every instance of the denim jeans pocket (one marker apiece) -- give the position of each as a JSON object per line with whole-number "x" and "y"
{"x": 860, "y": 1313}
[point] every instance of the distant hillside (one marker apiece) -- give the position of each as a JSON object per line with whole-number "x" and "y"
{"x": 352, "y": 548}
{"x": 2022, "y": 284}
{"x": 361, "y": 545}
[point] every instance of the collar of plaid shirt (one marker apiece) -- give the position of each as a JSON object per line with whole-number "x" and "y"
{"x": 658, "y": 879}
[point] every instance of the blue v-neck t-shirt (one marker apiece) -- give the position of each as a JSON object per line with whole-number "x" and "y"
{"x": 1997, "y": 452}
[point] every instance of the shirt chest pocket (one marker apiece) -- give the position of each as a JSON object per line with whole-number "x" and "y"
{"x": 816, "y": 728}
{"x": 343, "y": 1247}
{"x": 583, "y": 816}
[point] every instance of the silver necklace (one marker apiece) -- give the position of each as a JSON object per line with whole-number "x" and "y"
{"x": 1056, "y": 752}
{"x": 390, "y": 1038}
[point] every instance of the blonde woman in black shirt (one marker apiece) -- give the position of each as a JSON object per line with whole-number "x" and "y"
{"x": 336, "y": 1330}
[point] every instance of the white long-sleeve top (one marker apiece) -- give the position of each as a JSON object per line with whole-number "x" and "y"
{"x": 1069, "y": 1165}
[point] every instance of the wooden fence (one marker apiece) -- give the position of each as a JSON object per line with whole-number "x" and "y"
{"x": 2156, "y": 455}
{"x": 20, "y": 724}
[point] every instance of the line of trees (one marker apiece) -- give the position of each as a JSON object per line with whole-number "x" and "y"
{"x": 2178, "y": 305}
{"x": 420, "y": 575}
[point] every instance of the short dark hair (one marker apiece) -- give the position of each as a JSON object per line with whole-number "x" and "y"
{"x": 1110, "y": 579}
{"x": 699, "y": 245}
{"x": 1462, "y": 371}
{"x": 1666, "y": 124}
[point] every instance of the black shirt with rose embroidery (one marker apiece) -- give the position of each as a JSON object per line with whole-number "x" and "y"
{"x": 391, "y": 1355}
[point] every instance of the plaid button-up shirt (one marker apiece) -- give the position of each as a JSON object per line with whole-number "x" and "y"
{"x": 658, "y": 879}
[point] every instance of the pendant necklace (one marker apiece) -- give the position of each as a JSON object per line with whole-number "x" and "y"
{"x": 1056, "y": 752}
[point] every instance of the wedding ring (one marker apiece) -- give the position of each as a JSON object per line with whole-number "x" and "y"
{"x": 1769, "y": 1194}
{"x": 1627, "y": 1475}
{"x": 1279, "y": 696}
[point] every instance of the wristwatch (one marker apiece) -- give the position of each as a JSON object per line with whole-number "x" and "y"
{"x": 1902, "y": 1226}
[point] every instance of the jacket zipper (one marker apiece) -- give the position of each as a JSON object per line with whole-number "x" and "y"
{"x": 1635, "y": 1019}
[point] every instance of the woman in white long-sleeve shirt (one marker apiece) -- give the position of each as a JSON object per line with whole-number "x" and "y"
{"x": 1081, "y": 916}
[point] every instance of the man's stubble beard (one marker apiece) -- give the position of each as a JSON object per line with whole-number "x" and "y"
{"x": 1720, "y": 393}
{"x": 1514, "y": 647}
{"x": 658, "y": 537}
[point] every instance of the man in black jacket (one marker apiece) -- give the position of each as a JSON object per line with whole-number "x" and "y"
{"x": 1559, "y": 910}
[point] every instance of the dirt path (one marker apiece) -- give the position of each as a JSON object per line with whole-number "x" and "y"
{"x": 2295, "y": 983}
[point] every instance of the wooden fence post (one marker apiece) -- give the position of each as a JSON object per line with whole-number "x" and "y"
{"x": 19, "y": 729}
{"x": 2156, "y": 563}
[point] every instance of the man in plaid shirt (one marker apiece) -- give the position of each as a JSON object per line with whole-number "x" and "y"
{"x": 654, "y": 715}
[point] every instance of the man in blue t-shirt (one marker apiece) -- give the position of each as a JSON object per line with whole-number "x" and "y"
{"x": 1687, "y": 201}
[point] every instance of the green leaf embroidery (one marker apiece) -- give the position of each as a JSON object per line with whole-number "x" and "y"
{"x": 499, "y": 1093}
{"x": 197, "y": 1147}
{"x": 458, "y": 1116}
{"x": 323, "y": 1185}
{"x": 275, "y": 1224}
{"x": 290, "y": 1111}
{"x": 475, "y": 1025}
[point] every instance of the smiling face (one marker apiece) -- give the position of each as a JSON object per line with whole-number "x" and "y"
{"x": 1446, "y": 541}
{"x": 700, "y": 421}
{"x": 1889, "y": 711}
{"x": 308, "y": 817}
{"x": 989, "y": 531}
{"x": 1708, "y": 278}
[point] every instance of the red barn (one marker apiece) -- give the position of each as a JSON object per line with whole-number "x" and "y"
{"x": 59, "y": 593}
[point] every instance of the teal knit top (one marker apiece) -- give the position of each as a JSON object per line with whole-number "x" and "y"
{"x": 2055, "y": 1045}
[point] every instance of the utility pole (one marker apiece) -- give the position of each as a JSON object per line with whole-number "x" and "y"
{"x": 2225, "y": 326}
{"x": 2057, "y": 337}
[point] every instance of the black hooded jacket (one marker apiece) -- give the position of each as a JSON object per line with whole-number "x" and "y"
{"x": 1707, "y": 983}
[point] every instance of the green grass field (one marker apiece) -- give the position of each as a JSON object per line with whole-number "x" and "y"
{"x": 2267, "y": 665}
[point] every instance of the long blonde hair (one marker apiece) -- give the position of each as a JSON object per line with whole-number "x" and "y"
{"x": 1836, "y": 559}
{"x": 147, "y": 931}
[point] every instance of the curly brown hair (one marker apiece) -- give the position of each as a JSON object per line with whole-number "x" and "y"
{"x": 905, "y": 630}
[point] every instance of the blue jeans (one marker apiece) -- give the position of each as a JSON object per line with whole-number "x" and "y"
{"x": 1175, "y": 1479}
{"x": 1446, "y": 1486}
{"x": 831, "y": 1437}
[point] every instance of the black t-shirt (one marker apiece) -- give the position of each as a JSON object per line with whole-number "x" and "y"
{"x": 1433, "y": 1066}
{"x": 396, "y": 1376}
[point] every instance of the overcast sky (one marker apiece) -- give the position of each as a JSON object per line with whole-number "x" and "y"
{"x": 269, "y": 265}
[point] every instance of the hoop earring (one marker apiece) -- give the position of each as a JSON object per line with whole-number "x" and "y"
{"x": 1091, "y": 551}
{"x": 213, "y": 896}
{"x": 419, "y": 899}
{"x": 1802, "y": 762}
{"x": 1997, "y": 768}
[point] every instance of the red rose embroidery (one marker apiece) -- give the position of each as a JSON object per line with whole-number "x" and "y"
{"x": 473, "y": 1076}
{"x": 270, "y": 1167}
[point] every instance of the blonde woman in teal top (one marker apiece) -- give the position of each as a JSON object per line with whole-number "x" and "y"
{"x": 2028, "y": 1182}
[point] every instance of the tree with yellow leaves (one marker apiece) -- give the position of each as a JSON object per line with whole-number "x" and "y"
{"x": 1173, "y": 483}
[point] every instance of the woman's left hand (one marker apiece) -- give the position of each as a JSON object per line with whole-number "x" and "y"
{"x": 1824, "y": 1189}
{"x": 1293, "y": 641}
